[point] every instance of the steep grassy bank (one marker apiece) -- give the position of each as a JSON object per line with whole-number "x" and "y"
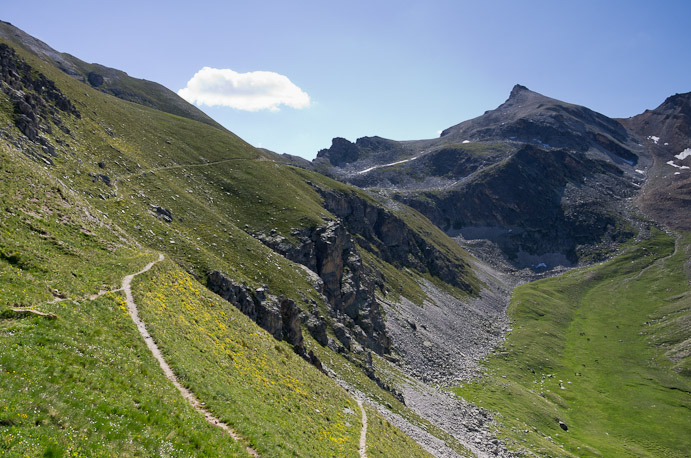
{"x": 603, "y": 350}
{"x": 283, "y": 405}
{"x": 82, "y": 383}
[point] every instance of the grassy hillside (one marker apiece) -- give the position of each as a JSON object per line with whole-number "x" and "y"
{"x": 602, "y": 350}
{"x": 73, "y": 223}
{"x": 84, "y": 383}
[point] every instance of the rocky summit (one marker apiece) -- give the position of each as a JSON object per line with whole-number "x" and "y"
{"x": 544, "y": 182}
{"x": 518, "y": 286}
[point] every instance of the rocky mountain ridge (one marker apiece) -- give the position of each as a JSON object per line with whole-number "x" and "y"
{"x": 544, "y": 181}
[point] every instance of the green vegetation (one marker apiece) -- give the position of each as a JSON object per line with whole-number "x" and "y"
{"x": 72, "y": 229}
{"x": 85, "y": 384}
{"x": 254, "y": 383}
{"x": 385, "y": 440}
{"x": 602, "y": 350}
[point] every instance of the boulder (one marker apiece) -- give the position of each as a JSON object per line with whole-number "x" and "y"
{"x": 95, "y": 79}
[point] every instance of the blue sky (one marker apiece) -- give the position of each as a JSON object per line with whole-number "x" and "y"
{"x": 398, "y": 69}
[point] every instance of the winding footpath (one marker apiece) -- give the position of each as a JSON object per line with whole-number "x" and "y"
{"x": 363, "y": 431}
{"x": 187, "y": 394}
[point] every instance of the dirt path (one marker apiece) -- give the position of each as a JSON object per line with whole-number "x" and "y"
{"x": 182, "y": 166}
{"x": 363, "y": 431}
{"x": 187, "y": 394}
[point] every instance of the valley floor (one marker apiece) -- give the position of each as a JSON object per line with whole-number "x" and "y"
{"x": 597, "y": 362}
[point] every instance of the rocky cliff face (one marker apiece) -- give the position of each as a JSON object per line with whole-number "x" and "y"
{"x": 536, "y": 203}
{"x": 386, "y": 234}
{"x": 347, "y": 284}
{"x": 38, "y": 103}
{"x": 281, "y": 317}
{"x": 332, "y": 252}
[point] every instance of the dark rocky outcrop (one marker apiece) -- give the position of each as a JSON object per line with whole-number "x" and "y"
{"x": 348, "y": 286}
{"x": 38, "y": 103}
{"x": 536, "y": 202}
{"x": 381, "y": 231}
{"x": 163, "y": 213}
{"x": 279, "y": 316}
{"x": 95, "y": 79}
{"x": 340, "y": 153}
{"x": 316, "y": 325}
{"x": 343, "y": 152}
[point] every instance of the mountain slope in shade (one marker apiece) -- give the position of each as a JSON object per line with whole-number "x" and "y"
{"x": 109, "y": 80}
{"x": 666, "y": 132}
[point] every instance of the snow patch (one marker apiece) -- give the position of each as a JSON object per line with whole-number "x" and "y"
{"x": 466, "y": 141}
{"x": 654, "y": 139}
{"x": 642, "y": 172}
{"x": 677, "y": 173}
{"x": 386, "y": 165}
{"x": 684, "y": 154}
{"x": 673, "y": 164}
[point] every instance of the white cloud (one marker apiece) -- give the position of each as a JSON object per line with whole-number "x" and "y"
{"x": 251, "y": 91}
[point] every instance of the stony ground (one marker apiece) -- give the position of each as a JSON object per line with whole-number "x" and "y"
{"x": 440, "y": 344}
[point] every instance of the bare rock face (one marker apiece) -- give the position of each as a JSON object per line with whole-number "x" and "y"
{"x": 316, "y": 325}
{"x": 330, "y": 252}
{"x": 395, "y": 242}
{"x": 278, "y": 316}
{"x": 666, "y": 133}
{"x": 341, "y": 152}
{"x": 38, "y": 103}
{"x": 290, "y": 323}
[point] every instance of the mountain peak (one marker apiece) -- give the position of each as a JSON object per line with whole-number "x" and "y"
{"x": 517, "y": 90}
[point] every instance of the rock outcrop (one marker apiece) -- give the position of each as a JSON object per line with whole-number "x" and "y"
{"x": 347, "y": 284}
{"x": 381, "y": 231}
{"x": 38, "y": 103}
{"x": 279, "y": 316}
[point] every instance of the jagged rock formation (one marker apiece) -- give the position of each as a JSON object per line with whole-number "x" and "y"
{"x": 37, "y": 102}
{"x": 348, "y": 286}
{"x": 540, "y": 179}
{"x": 386, "y": 234}
{"x": 332, "y": 252}
{"x": 280, "y": 316}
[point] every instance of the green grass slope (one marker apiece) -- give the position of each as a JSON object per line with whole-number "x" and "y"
{"x": 109, "y": 80}
{"x": 84, "y": 383}
{"x": 604, "y": 350}
{"x": 73, "y": 228}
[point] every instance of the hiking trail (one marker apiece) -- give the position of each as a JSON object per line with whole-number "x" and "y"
{"x": 187, "y": 394}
